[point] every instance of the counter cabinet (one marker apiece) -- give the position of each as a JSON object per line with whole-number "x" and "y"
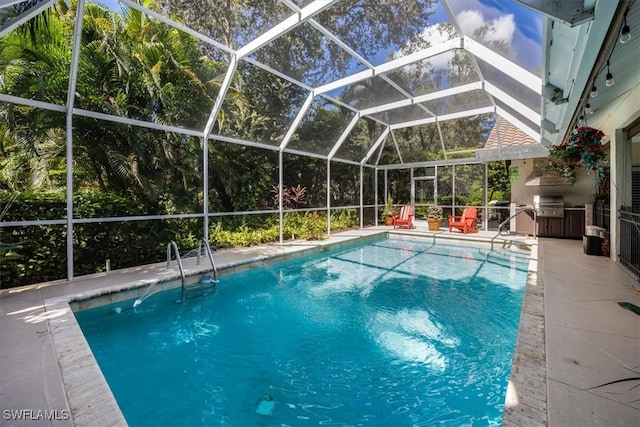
{"x": 572, "y": 226}
{"x": 574, "y": 223}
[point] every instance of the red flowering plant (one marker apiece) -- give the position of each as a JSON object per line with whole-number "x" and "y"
{"x": 582, "y": 149}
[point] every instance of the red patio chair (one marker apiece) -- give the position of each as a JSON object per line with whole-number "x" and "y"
{"x": 465, "y": 222}
{"x": 404, "y": 220}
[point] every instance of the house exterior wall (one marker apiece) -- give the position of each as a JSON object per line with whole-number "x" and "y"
{"x": 578, "y": 194}
{"x": 623, "y": 155}
{"x": 617, "y": 116}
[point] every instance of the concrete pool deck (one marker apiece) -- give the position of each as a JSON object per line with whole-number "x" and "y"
{"x": 573, "y": 338}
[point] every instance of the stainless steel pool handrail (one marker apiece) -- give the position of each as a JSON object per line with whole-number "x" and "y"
{"x": 173, "y": 245}
{"x": 207, "y": 249}
{"x": 147, "y": 291}
{"x": 503, "y": 223}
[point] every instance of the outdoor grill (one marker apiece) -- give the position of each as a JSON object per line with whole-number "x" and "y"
{"x": 549, "y": 206}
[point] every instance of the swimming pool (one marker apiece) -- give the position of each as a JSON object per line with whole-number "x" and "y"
{"x": 396, "y": 332}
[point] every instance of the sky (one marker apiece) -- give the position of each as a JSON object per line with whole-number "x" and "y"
{"x": 519, "y": 27}
{"x": 111, "y": 4}
{"x": 508, "y": 21}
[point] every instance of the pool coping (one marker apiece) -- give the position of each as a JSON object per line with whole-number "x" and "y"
{"x": 92, "y": 402}
{"x": 526, "y": 398}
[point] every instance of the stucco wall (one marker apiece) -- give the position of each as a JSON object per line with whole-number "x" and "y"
{"x": 577, "y": 195}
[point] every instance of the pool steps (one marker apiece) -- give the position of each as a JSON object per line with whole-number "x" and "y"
{"x": 502, "y": 232}
{"x": 206, "y": 284}
{"x": 203, "y": 243}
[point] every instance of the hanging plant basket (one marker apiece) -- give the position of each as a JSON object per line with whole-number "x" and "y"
{"x": 573, "y": 159}
{"x": 582, "y": 149}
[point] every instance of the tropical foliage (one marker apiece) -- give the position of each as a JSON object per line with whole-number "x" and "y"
{"x": 37, "y": 253}
{"x": 389, "y": 208}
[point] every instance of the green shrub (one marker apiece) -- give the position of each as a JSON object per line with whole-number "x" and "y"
{"x": 42, "y": 256}
{"x": 308, "y": 226}
{"x": 243, "y": 236}
{"x": 344, "y": 220}
{"x": 43, "y": 253}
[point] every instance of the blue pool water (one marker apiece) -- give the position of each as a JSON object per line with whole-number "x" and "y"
{"x": 393, "y": 333}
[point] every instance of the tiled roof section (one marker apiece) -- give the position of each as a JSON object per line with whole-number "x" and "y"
{"x": 508, "y": 135}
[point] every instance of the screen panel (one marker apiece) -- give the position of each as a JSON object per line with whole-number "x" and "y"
{"x": 35, "y": 63}
{"x": 135, "y": 66}
{"x": 161, "y": 172}
{"x": 307, "y": 55}
{"x": 360, "y": 140}
{"x": 379, "y": 30}
{"x": 508, "y": 28}
{"x": 466, "y": 133}
{"x": 261, "y": 107}
{"x": 321, "y": 128}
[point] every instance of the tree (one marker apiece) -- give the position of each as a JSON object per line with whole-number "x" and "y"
{"x": 130, "y": 66}
{"x": 498, "y": 180}
{"x": 34, "y": 64}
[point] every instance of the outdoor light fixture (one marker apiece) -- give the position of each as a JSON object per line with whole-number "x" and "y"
{"x": 594, "y": 91}
{"x": 587, "y": 109}
{"x": 625, "y": 36}
{"x": 609, "y": 81}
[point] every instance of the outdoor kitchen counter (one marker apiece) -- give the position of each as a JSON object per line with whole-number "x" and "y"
{"x": 571, "y": 226}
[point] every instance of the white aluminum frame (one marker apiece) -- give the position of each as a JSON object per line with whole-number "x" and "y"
{"x": 300, "y": 16}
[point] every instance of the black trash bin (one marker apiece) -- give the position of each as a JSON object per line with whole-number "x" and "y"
{"x": 592, "y": 245}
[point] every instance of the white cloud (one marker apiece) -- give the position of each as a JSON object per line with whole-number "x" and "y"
{"x": 499, "y": 29}
{"x": 470, "y": 21}
{"x": 436, "y": 34}
{"x": 503, "y": 28}
{"x": 496, "y": 26}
